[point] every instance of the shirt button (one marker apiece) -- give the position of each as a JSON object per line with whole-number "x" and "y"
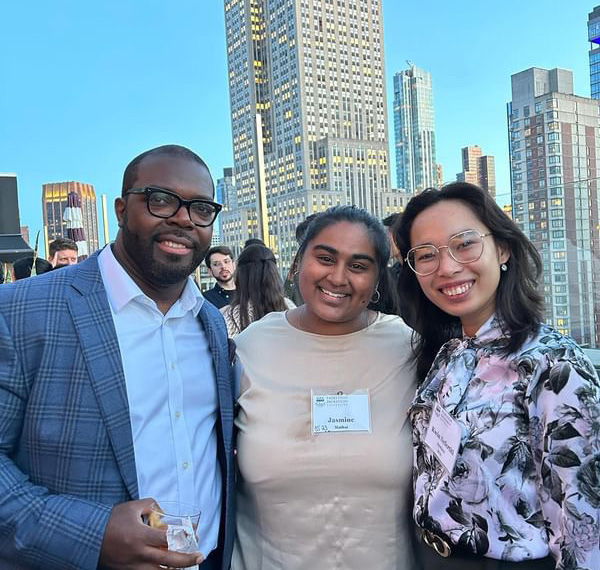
{"x": 172, "y": 365}
{"x": 177, "y": 414}
{"x": 185, "y": 465}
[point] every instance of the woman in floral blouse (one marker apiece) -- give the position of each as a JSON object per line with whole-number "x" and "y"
{"x": 506, "y": 423}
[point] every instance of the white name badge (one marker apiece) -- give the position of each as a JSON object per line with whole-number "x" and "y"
{"x": 340, "y": 412}
{"x": 443, "y": 437}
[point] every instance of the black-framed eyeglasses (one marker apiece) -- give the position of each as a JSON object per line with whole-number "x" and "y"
{"x": 164, "y": 203}
{"x": 464, "y": 247}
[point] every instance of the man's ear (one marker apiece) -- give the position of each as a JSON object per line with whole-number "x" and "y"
{"x": 120, "y": 205}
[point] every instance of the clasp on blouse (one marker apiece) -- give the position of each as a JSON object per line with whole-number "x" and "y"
{"x": 439, "y": 544}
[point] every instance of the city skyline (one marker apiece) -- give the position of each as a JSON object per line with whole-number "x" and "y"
{"x": 555, "y": 159}
{"x": 130, "y": 95}
{"x": 314, "y": 73}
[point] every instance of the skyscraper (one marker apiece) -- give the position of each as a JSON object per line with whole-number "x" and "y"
{"x": 225, "y": 194}
{"x": 478, "y": 169}
{"x": 313, "y": 72}
{"x": 594, "y": 39}
{"x": 555, "y": 159}
{"x": 54, "y": 202}
{"x": 414, "y": 130}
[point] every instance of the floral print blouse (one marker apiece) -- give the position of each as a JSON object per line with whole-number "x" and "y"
{"x": 526, "y": 480}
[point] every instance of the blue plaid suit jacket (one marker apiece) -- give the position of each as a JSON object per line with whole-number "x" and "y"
{"x": 66, "y": 450}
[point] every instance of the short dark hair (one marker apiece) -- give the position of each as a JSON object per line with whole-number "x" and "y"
{"x": 391, "y": 220}
{"x": 22, "y": 267}
{"x": 354, "y": 215}
{"x": 60, "y": 244}
{"x": 131, "y": 171}
{"x": 518, "y": 303}
{"x": 253, "y": 241}
{"x": 222, "y": 249}
{"x": 258, "y": 286}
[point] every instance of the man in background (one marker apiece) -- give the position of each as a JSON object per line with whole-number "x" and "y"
{"x": 62, "y": 252}
{"x": 221, "y": 266}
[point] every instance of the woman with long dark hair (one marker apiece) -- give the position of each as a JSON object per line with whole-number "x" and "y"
{"x": 324, "y": 440}
{"x": 506, "y": 422}
{"x": 258, "y": 289}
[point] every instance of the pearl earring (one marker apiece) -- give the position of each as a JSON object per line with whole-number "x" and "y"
{"x": 504, "y": 267}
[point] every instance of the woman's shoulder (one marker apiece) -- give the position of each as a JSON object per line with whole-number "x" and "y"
{"x": 271, "y": 324}
{"x": 392, "y": 323}
{"x": 551, "y": 348}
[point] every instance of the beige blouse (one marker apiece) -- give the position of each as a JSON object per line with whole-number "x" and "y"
{"x": 328, "y": 501}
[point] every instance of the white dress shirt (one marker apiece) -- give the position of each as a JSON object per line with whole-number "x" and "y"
{"x": 172, "y": 394}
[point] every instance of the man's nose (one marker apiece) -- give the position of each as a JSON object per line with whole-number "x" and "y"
{"x": 182, "y": 217}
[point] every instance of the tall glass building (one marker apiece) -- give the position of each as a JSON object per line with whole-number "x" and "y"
{"x": 414, "y": 130}
{"x": 55, "y": 197}
{"x": 555, "y": 164}
{"x": 313, "y": 71}
{"x": 594, "y": 39}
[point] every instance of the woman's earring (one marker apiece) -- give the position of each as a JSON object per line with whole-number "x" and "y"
{"x": 504, "y": 267}
{"x": 376, "y": 296}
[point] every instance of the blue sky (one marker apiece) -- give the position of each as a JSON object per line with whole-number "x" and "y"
{"x": 87, "y": 85}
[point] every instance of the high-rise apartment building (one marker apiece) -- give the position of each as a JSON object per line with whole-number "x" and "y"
{"x": 555, "y": 160}
{"x": 478, "y": 169}
{"x": 594, "y": 39}
{"x": 224, "y": 194}
{"x": 313, "y": 72}
{"x": 414, "y": 130}
{"x": 54, "y": 203}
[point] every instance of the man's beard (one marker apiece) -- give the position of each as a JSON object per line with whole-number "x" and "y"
{"x": 174, "y": 270}
{"x": 224, "y": 281}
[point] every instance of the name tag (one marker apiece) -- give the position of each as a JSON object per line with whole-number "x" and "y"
{"x": 340, "y": 412}
{"x": 443, "y": 437}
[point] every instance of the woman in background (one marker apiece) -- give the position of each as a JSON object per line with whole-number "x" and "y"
{"x": 324, "y": 439}
{"x": 258, "y": 289}
{"x": 506, "y": 423}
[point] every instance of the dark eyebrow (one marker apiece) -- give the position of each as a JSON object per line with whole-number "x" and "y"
{"x": 334, "y": 251}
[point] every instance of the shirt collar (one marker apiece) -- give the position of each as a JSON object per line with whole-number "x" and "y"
{"x": 488, "y": 332}
{"x": 121, "y": 289}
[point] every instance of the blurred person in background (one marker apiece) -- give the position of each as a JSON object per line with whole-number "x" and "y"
{"x": 22, "y": 268}
{"x": 506, "y": 421}
{"x": 62, "y": 252}
{"x": 258, "y": 289}
{"x": 221, "y": 265}
{"x": 324, "y": 439}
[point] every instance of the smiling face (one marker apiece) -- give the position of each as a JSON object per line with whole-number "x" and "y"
{"x": 159, "y": 252}
{"x": 337, "y": 278}
{"x": 467, "y": 291}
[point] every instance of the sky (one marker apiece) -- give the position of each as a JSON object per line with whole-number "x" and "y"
{"x": 87, "y": 85}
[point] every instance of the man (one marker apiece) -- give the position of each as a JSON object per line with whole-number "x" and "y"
{"x": 116, "y": 389}
{"x": 62, "y": 252}
{"x": 221, "y": 266}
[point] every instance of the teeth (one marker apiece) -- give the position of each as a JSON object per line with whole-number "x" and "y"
{"x": 174, "y": 245}
{"x": 334, "y": 295}
{"x": 452, "y": 291}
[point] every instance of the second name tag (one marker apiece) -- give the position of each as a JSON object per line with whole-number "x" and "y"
{"x": 443, "y": 437}
{"x": 340, "y": 412}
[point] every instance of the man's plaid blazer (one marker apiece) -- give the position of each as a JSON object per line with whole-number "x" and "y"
{"x": 66, "y": 450}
